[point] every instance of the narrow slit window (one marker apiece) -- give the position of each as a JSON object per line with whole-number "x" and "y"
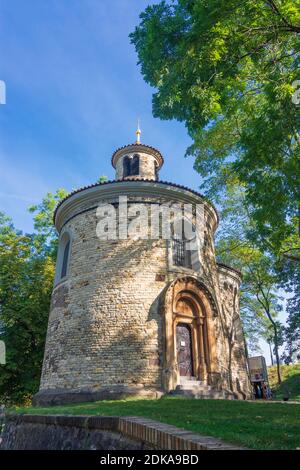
{"x": 156, "y": 170}
{"x": 65, "y": 260}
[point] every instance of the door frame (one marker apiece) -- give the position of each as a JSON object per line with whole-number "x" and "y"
{"x": 202, "y": 324}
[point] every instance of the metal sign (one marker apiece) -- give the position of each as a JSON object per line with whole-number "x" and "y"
{"x": 258, "y": 369}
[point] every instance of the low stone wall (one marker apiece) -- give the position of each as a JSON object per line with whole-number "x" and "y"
{"x": 60, "y": 432}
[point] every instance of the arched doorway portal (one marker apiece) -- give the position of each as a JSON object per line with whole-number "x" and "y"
{"x": 189, "y": 332}
{"x": 190, "y": 311}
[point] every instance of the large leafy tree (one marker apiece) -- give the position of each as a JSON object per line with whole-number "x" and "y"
{"x": 226, "y": 69}
{"x": 26, "y": 280}
{"x": 290, "y": 278}
{"x": 25, "y": 287}
{"x": 260, "y": 302}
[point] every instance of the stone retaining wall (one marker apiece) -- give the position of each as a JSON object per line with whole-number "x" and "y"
{"x": 60, "y": 432}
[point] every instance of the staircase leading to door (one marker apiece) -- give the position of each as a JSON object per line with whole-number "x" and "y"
{"x": 193, "y": 388}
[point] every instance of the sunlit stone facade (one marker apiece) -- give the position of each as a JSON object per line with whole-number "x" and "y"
{"x": 126, "y": 317}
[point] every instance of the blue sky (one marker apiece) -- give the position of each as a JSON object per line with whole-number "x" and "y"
{"x": 74, "y": 92}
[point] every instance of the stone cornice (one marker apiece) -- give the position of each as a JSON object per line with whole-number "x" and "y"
{"x": 232, "y": 272}
{"x": 131, "y": 188}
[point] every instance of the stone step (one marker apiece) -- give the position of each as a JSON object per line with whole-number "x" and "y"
{"x": 204, "y": 394}
{"x": 187, "y": 384}
{"x": 188, "y": 379}
{"x": 193, "y": 387}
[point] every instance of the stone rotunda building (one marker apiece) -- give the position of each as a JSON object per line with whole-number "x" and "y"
{"x": 140, "y": 317}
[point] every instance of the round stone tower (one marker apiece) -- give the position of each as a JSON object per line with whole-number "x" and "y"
{"x": 146, "y": 314}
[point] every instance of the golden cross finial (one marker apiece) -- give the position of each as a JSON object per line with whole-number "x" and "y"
{"x": 138, "y": 133}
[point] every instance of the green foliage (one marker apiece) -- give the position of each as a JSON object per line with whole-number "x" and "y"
{"x": 26, "y": 279}
{"x": 102, "y": 179}
{"x": 260, "y": 302}
{"x": 290, "y": 381}
{"x": 226, "y": 68}
{"x": 46, "y": 236}
{"x": 290, "y": 278}
{"x": 252, "y": 425}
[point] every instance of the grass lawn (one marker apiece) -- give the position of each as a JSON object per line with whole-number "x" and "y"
{"x": 290, "y": 381}
{"x": 256, "y": 425}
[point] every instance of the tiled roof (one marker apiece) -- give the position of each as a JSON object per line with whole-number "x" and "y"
{"x": 222, "y": 265}
{"x": 133, "y": 180}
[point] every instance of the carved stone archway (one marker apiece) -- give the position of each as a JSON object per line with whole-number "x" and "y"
{"x": 188, "y": 301}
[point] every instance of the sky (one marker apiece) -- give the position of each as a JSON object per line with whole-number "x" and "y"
{"x": 74, "y": 92}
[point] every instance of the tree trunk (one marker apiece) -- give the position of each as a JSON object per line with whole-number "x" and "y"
{"x": 267, "y": 310}
{"x": 229, "y": 366}
{"x": 271, "y": 355}
{"x": 276, "y": 351}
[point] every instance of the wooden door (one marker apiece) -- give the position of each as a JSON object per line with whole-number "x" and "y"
{"x": 184, "y": 350}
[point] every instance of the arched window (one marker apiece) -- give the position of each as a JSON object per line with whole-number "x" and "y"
{"x": 63, "y": 257}
{"x": 65, "y": 260}
{"x": 135, "y": 165}
{"x": 126, "y": 167}
{"x": 131, "y": 166}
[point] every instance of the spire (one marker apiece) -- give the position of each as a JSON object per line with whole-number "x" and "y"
{"x": 138, "y": 133}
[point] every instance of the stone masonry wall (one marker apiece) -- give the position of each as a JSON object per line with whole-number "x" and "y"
{"x": 232, "y": 352}
{"x": 59, "y": 432}
{"x": 105, "y": 325}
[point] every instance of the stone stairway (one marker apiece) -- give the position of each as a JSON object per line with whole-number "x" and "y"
{"x": 193, "y": 388}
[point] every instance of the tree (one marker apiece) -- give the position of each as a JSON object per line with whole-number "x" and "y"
{"x": 102, "y": 179}
{"x": 259, "y": 294}
{"x": 27, "y": 263}
{"x": 46, "y": 235}
{"x": 269, "y": 337}
{"x": 226, "y": 69}
{"x": 290, "y": 278}
{"x": 260, "y": 302}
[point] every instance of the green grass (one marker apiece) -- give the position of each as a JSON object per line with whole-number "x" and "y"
{"x": 256, "y": 425}
{"x": 290, "y": 381}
